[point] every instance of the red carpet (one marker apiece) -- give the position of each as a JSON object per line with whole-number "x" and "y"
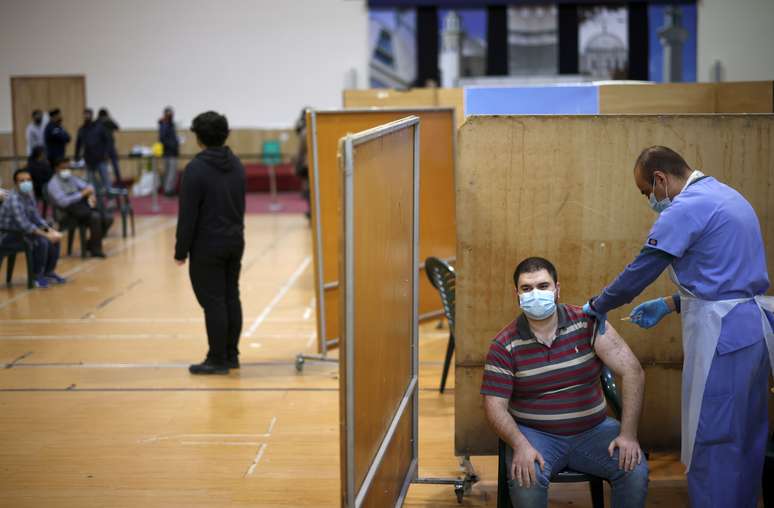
{"x": 256, "y": 202}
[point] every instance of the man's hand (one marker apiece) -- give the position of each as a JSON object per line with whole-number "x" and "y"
{"x": 180, "y": 262}
{"x": 523, "y": 464}
{"x": 629, "y": 452}
{"x": 648, "y": 314}
{"x": 92, "y": 201}
{"x": 598, "y": 316}
{"x": 53, "y": 236}
{"x": 87, "y": 191}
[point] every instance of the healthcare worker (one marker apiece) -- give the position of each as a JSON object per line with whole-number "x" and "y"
{"x": 709, "y": 238}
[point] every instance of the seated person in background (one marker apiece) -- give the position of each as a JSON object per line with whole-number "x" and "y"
{"x": 39, "y": 169}
{"x": 543, "y": 397}
{"x": 77, "y": 199}
{"x": 18, "y": 214}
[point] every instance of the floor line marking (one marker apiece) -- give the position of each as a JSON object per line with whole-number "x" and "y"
{"x": 310, "y": 339}
{"x": 17, "y": 360}
{"x": 271, "y": 425}
{"x": 222, "y": 443}
{"x": 258, "y": 457}
{"x": 280, "y": 294}
{"x": 155, "y": 439}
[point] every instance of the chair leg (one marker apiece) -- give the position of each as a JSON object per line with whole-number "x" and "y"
{"x": 30, "y": 272}
{"x": 597, "y": 493}
{"x": 82, "y": 235}
{"x": 70, "y": 238}
{"x": 9, "y": 269}
{"x": 131, "y": 218}
{"x": 503, "y": 495}
{"x": 447, "y": 361}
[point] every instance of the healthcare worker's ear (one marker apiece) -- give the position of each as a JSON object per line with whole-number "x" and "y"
{"x": 557, "y": 292}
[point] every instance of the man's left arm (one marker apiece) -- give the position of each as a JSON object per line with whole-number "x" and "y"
{"x": 617, "y": 355}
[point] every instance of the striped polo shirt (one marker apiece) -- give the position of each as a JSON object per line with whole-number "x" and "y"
{"x": 555, "y": 388}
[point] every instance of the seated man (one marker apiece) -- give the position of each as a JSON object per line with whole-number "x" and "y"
{"x": 19, "y": 215}
{"x": 77, "y": 199}
{"x": 543, "y": 397}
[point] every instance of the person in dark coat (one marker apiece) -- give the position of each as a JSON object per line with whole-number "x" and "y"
{"x": 111, "y": 127}
{"x": 210, "y": 233}
{"x": 56, "y": 137}
{"x": 168, "y": 139}
{"x": 93, "y": 144}
{"x": 40, "y": 170}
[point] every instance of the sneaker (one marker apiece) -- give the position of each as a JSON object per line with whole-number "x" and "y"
{"x": 56, "y": 279}
{"x": 42, "y": 283}
{"x": 207, "y": 368}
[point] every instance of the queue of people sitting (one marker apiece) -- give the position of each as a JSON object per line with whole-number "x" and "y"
{"x": 71, "y": 196}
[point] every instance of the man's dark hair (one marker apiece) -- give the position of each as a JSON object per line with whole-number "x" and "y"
{"x": 37, "y": 112}
{"x": 53, "y": 112}
{"x": 18, "y": 172}
{"x": 211, "y": 129}
{"x": 102, "y": 113}
{"x": 534, "y": 264}
{"x": 61, "y": 160}
{"x": 661, "y": 158}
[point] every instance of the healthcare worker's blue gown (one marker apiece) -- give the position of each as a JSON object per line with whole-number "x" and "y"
{"x": 711, "y": 237}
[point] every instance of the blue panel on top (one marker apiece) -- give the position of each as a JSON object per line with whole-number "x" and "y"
{"x": 533, "y": 100}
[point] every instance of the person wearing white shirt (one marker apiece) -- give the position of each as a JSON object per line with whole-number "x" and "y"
{"x": 35, "y": 131}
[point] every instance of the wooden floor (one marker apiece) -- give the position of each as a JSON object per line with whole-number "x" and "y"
{"x": 97, "y": 407}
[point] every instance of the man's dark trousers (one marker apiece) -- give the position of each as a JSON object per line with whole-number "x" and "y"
{"x": 90, "y": 217}
{"x": 215, "y": 280}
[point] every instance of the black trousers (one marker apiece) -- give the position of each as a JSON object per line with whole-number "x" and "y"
{"x": 215, "y": 281}
{"x": 91, "y": 218}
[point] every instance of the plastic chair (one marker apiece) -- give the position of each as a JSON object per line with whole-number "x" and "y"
{"x": 443, "y": 278}
{"x": 271, "y": 156}
{"x": 566, "y": 475}
{"x": 6, "y": 252}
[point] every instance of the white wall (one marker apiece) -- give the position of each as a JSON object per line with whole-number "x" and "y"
{"x": 257, "y": 61}
{"x": 738, "y": 33}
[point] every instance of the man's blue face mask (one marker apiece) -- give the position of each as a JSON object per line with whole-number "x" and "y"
{"x": 538, "y": 304}
{"x": 658, "y": 206}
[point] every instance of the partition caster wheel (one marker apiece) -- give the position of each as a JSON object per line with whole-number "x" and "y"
{"x": 299, "y": 363}
{"x": 459, "y": 490}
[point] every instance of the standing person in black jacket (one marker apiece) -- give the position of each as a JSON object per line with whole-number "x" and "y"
{"x": 93, "y": 143}
{"x": 111, "y": 127}
{"x": 56, "y": 137}
{"x": 168, "y": 138}
{"x": 210, "y": 231}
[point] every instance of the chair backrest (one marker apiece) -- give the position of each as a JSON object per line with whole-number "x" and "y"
{"x": 443, "y": 278}
{"x": 611, "y": 391}
{"x": 271, "y": 153}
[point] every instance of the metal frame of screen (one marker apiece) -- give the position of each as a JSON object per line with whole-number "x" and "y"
{"x": 355, "y": 494}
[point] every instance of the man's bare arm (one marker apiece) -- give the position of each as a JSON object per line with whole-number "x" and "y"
{"x": 617, "y": 355}
{"x": 496, "y": 409}
{"x": 522, "y": 467}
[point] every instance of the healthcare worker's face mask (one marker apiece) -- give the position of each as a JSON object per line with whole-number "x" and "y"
{"x": 26, "y": 187}
{"x": 658, "y": 206}
{"x": 538, "y": 304}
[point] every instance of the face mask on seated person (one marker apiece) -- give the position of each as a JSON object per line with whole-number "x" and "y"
{"x": 26, "y": 187}
{"x": 538, "y": 303}
{"x": 66, "y": 174}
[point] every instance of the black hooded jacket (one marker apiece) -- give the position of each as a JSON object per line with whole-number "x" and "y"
{"x": 212, "y": 203}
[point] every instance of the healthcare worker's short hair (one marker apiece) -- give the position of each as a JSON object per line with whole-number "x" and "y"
{"x": 534, "y": 264}
{"x": 661, "y": 158}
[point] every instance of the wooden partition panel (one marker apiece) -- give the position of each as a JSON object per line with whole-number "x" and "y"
{"x": 437, "y": 227}
{"x": 732, "y": 97}
{"x": 388, "y": 98}
{"x": 745, "y": 97}
{"x": 380, "y": 269}
{"x": 562, "y": 187}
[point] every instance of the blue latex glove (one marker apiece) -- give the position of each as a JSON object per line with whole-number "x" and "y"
{"x": 648, "y": 314}
{"x": 601, "y": 318}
